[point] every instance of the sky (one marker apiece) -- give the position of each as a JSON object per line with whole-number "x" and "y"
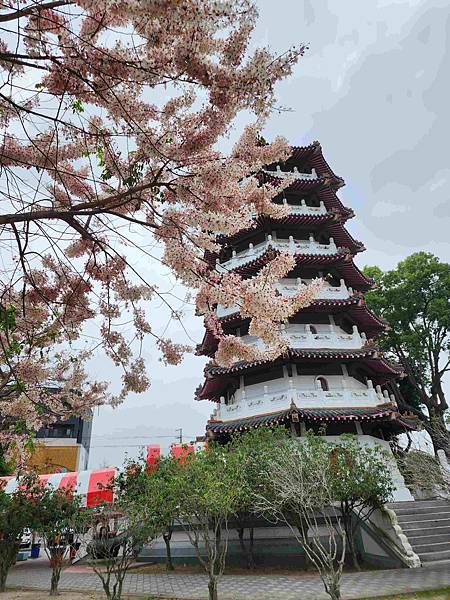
{"x": 373, "y": 88}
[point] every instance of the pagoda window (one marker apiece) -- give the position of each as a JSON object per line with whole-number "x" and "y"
{"x": 322, "y": 384}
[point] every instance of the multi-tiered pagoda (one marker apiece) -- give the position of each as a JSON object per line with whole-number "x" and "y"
{"x": 333, "y": 376}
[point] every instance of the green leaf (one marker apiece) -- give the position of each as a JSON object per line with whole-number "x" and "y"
{"x": 77, "y": 106}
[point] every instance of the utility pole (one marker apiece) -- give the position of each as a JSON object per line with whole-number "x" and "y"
{"x": 180, "y": 434}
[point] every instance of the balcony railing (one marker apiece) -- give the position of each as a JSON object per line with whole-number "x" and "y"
{"x": 301, "y": 336}
{"x": 295, "y": 174}
{"x": 291, "y": 245}
{"x": 289, "y": 287}
{"x": 259, "y": 399}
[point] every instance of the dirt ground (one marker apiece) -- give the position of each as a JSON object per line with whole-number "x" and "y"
{"x": 258, "y": 570}
{"x": 39, "y": 595}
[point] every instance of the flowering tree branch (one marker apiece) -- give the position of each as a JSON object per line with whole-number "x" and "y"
{"x": 111, "y": 114}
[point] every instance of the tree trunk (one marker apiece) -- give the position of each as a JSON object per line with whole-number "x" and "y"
{"x": 8, "y": 553}
{"x": 247, "y": 552}
{"x": 251, "y": 546}
{"x": 350, "y": 534}
{"x": 167, "y": 536}
{"x": 56, "y": 574}
{"x": 242, "y": 544}
{"x": 56, "y": 561}
{"x": 438, "y": 432}
{"x": 333, "y": 589}
{"x": 212, "y": 587}
{"x": 351, "y": 542}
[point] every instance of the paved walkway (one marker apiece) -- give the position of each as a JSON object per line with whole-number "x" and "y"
{"x": 239, "y": 587}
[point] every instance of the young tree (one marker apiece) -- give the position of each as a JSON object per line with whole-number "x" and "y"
{"x": 361, "y": 481}
{"x": 161, "y": 503}
{"x": 111, "y": 115}
{"x": 58, "y": 521}
{"x": 413, "y": 298}
{"x": 119, "y": 530}
{"x": 17, "y": 510}
{"x": 253, "y": 449}
{"x": 299, "y": 492}
{"x": 209, "y": 487}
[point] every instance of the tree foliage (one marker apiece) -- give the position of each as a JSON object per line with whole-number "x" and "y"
{"x": 414, "y": 300}
{"x": 298, "y": 491}
{"x": 111, "y": 115}
{"x": 58, "y": 521}
{"x": 209, "y": 488}
{"x": 119, "y": 530}
{"x": 361, "y": 481}
{"x": 17, "y": 511}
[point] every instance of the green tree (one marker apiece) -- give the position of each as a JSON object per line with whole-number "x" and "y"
{"x": 254, "y": 449}
{"x": 160, "y": 501}
{"x": 361, "y": 481}
{"x": 58, "y": 520}
{"x": 17, "y": 510}
{"x": 120, "y": 529}
{"x": 414, "y": 300}
{"x": 297, "y": 490}
{"x": 209, "y": 488}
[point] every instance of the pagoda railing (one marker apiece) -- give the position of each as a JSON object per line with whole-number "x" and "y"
{"x": 289, "y": 287}
{"x": 301, "y": 336}
{"x": 258, "y": 399}
{"x": 304, "y": 209}
{"x": 295, "y": 174}
{"x": 291, "y": 245}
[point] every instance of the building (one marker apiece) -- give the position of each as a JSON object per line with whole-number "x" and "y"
{"x": 333, "y": 377}
{"x": 63, "y": 446}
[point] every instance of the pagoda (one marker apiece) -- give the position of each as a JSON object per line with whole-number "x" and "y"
{"x": 333, "y": 378}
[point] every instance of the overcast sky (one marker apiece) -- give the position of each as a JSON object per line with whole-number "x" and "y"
{"x": 374, "y": 90}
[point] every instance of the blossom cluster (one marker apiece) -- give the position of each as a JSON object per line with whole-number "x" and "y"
{"x": 94, "y": 165}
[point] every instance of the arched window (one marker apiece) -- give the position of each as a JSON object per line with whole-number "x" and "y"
{"x": 322, "y": 384}
{"x": 313, "y": 329}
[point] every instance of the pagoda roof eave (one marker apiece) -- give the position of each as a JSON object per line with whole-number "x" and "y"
{"x": 355, "y": 301}
{"x": 342, "y": 259}
{"x": 386, "y": 412}
{"x": 368, "y": 355}
{"x": 354, "y": 306}
{"x": 333, "y": 221}
{"x": 315, "y": 155}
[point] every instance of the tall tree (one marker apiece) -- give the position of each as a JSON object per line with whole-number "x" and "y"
{"x": 414, "y": 300}
{"x": 111, "y": 114}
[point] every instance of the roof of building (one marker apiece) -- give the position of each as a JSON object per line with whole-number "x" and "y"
{"x": 342, "y": 260}
{"x": 382, "y": 412}
{"x": 331, "y": 222}
{"x": 355, "y": 307}
{"x": 217, "y": 379}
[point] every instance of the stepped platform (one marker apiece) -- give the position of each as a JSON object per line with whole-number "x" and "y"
{"x": 426, "y": 524}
